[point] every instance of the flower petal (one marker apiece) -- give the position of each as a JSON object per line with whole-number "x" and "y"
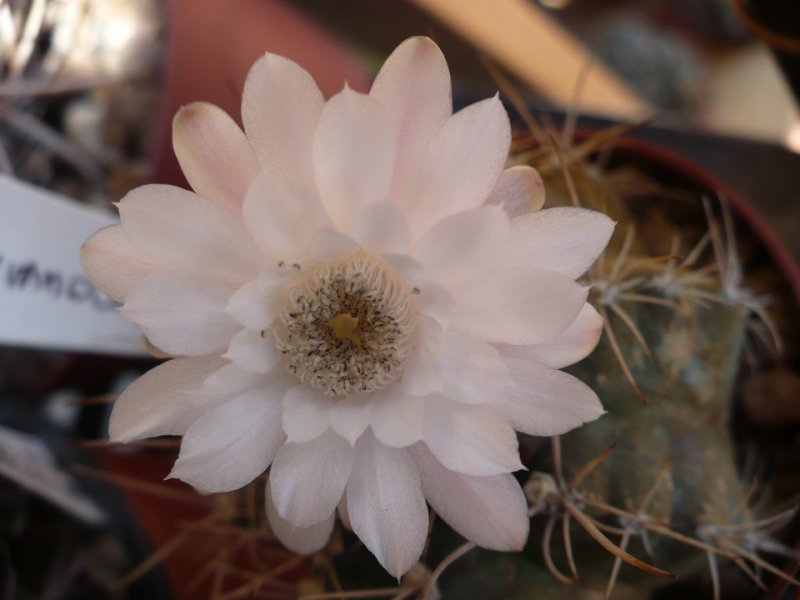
{"x": 472, "y": 370}
{"x": 435, "y": 301}
{"x": 307, "y": 480}
{"x": 213, "y": 152}
{"x": 257, "y": 303}
{"x": 306, "y": 413}
{"x": 414, "y": 87}
{"x": 254, "y": 351}
{"x": 381, "y": 227}
{"x": 179, "y": 229}
{"x": 519, "y": 190}
{"x": 281, "y": 215}
{"x": 182, "y": 314}
{"x": 518, "y": 306}
{"x": 563, "y": 239}
{"x": 385, "y": 503}
{"x": 475, "y": 440}
{"x": 397, "y": 418}
{"x": 350, "y": 416}
{"x": 490, "y": 511}
{"x": 575, "y": 344}
{"x": 353, "y": 155}
{"x": 281, "y": 106}
{"x": 157, "y": 402}
{"x": 113, "y": 263}
{"x": 329, "y": 243}
{"x": 228, "y": 447}
{"x": 422, "y": 374}
{"x": 463, "y": 246}
{"x": 460, "y": 166}
{"x": 545, "y": 401}
{"x": 303, "y": 540}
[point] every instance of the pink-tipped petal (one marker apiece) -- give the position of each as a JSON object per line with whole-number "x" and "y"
{"x": 474, "y": 440}
{"x": 385, "y": 503}
{"x": 490, "y": 511}
{"x": 464, "y": 246}
{"x": 353, "y": 155}
{"x": 520, "y": 190}
{"x": 281, "y": 106}
{"x": 113, "y": 263}
{"x": 213, "y": 152}
{"x": 562, "y": 239}
{"x": 158, "y": 403}
{"x": 303, "y": 540}
{"x": 518, "y": 306}
{"x": 182, "y": 314}
{"x": 308, "y": 479}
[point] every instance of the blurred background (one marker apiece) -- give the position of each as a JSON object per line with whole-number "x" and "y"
{"x": 88, "y": 89}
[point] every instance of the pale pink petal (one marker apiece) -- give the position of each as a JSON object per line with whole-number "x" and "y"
{"x": 472, "y": 370}
{"x": 563, "y": 239}
{"x": 353, "y": 155}
{"x": 490, "y": 511}
{"x": 422, "y": 374}
{"x": 575, "y": 344}
{"x": 258, "y": 303}
{"x": 350, "y": 416}
{"x": 460, "y": 166}
{"x": 157, "y": 402}
{"x": 545, "y": 401}
{"x": 435, "y": 301}
{"x": 465, "y": 245}
{"x": 281, "y": 106}
{"x": 520, "y": 190}
{"x": 414, "y": 87}
{"x": 306, "y": 413}
{"x": 213, "y": 152}
{"x": 475, "y": 440}
{"x": 327, "y": 243}
{"x": 386, "y": 506}
{"x": 254, "y": 351}
{"x": 281, "y": 215}
{"x": 179, "y": 229}
{"x": 231, "y": 380}
{"x": 182, "y": 314}
{"x": 397, "y": 418}
{"x": 308, "y": 479}
{"x": 303, "y": 540}
{"x": 231, "y": 445}
{"x": 381, "y": 228}
{"x": 114, "y": 264}
{"x": 344, "y": 516}
{"x": 518, "y": 306}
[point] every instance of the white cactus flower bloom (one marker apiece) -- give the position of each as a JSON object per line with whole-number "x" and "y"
{"x": 355, "y": 301}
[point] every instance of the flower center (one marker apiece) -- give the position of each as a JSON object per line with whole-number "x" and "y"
{"x": 348, "y": 328}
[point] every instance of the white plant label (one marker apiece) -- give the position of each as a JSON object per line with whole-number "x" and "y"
{"x": 46, "y": 301}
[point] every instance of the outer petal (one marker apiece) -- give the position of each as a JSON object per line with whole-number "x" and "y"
{"x": 575, "y": 344}
{"x": 306, "y": 413}
{"x": 474, "y": 440}
{"x": 303, "y": 540}
{"x": 517, "y": 306}
{"x": 157, "y": 403}
{"x": 472, "y": 370}
{"x": 254, "y": 351}
{"x": 460, "y": 166}
{"x": 397, "y": 418}
{"x": 213, "y": 152}
{"x": 179, "y": 229}
{"x": 381, "y": 227}
{"x": 281, "y": 215}
{"x": 281, "y": 105}
{"x": 563, "y": 239}
{"x": 414, "y": 87}
{"x": 422, "y": 374}
{"x": 114, "y": 264}
{"x": 182, "y": 314}
{"x": 463, "y": 246}
{"x": 490, "y": 511}
{"x": 353, "y": 155}
{"x": 350, "y": 416}
{"x": 230, "y": 446}
{"x": 386, "y": 507}
{"x": 307, "y": 480}
{"x": 520, "y": 190}
{"x": 545, "y": 401}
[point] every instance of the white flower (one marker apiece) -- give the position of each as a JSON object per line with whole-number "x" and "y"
{"x": 356, "y": 304}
